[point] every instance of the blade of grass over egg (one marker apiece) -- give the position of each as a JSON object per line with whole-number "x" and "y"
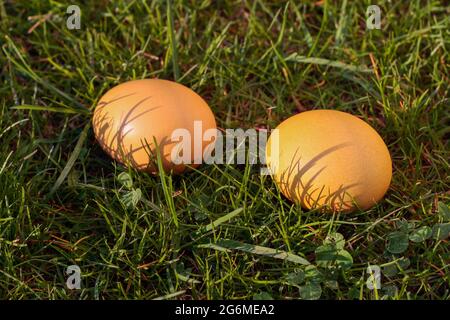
{"x": 226, "y": 244}
{"x": 72, "y": 159}
{"x": 166, "y": 182}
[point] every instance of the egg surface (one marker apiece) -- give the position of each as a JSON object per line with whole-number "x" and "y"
{"x": 132, "y": 116}
{"x": 329, "y": 159}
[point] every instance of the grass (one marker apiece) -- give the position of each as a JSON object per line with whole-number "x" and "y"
{"x": 222, "y": 231}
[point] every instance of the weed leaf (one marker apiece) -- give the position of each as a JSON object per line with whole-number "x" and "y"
{"x": 421, "y": 234}
{"x": 441, "y": 231}
{"x": 263, "y": 295}
{"x": 311, "y": 291}
{"x": 444, "y": 211}
{"x": 397, "y": 242}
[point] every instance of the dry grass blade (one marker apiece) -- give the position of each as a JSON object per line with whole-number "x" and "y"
{"x": 331, "y": 63}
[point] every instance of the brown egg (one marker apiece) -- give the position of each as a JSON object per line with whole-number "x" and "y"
{"x": 329, "y": 159}
{"x": 130, "y": 117}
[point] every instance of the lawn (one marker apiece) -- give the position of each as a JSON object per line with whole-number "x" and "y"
{"x": 220, "y": 231}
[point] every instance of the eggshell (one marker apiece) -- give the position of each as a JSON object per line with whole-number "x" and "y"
{"x": 329, "y": 159}
{"x": 131, "y": 116}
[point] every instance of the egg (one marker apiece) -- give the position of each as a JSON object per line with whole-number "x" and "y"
{"x": 136, "y": 119}
{"x": 329, "y": 159}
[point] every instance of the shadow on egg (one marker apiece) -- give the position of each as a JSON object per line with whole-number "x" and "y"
{"x": 117, "y": 148}
{"x": 292, "y": 181}
{"x": 135, "y": 121}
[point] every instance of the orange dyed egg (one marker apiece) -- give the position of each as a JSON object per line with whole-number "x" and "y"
{"x": 132, "y": 116}
{"x": 329, "y": 159}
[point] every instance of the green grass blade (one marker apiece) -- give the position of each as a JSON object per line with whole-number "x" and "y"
{"x": 254, "y": 249}
{"x": 73, "y": 157}
{"x": 306, "y": 34}
{"x": 222, "y": 219}
{"x": 26, "y": 69}
{"x": 51, "y": 109}
{"x": 166, "y": 182}
{"x": 172, "y": 40}
{"x": 342, "y": 22}
{"x": 171, "y": 295}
